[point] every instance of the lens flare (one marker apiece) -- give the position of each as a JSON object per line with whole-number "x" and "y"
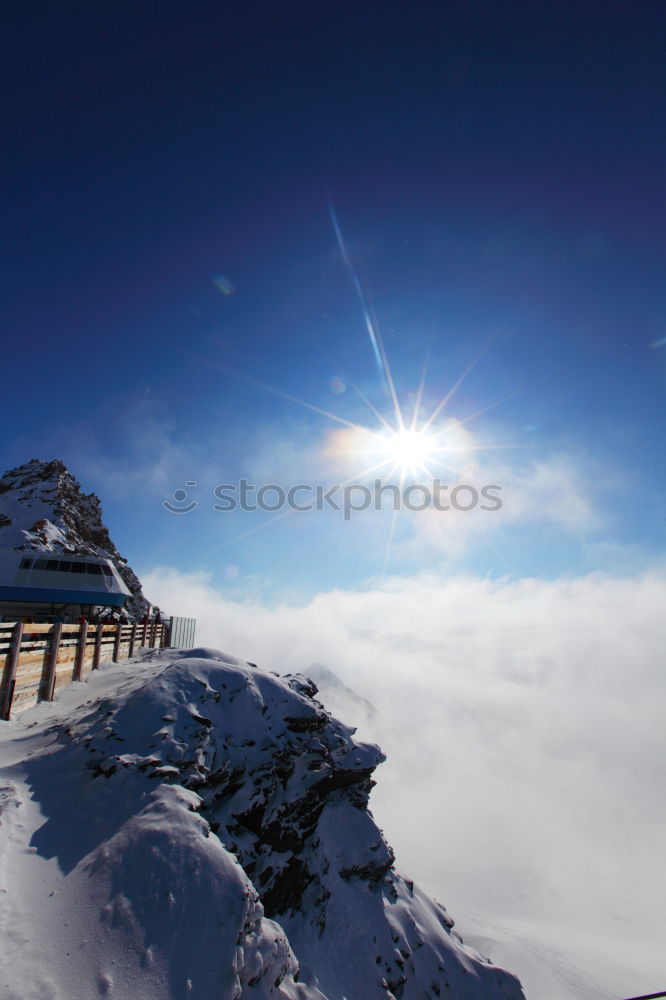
{"x": 223, "y": 284}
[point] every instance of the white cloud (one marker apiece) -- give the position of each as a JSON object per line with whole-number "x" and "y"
{"x": 154, "y": 454}
{"x": 524, "y": 726}
{"x": 556, "y": 491}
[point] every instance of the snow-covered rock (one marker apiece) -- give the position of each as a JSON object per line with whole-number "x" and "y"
{"x": 213, "y": 819}
{"x": 42, "y": 508}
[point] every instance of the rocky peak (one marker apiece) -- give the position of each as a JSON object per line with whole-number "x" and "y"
{"x": 43, "y": 508}
{"x": 258, "y": 768}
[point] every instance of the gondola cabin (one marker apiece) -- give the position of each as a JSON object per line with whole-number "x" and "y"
{"x": 57, "y": 586}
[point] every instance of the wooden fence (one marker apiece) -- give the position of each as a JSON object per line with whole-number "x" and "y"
{"x": 39, "y": 659}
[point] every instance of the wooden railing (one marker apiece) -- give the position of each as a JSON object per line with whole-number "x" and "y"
{"x": 39, "y": 659}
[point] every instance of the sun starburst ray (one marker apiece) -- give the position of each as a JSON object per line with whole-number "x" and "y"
{"x": 420, "y": 389}
{"x": 454, "y": 388}
{"x": 369, "y": 318}
{"x": 389, "y": 378}
{"x": 391, "y": 534}
{"x": 491, "y": 406}
{"x": 372, "y": 408}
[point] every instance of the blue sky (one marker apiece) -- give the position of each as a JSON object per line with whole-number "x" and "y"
{"x": 498, "y": 179}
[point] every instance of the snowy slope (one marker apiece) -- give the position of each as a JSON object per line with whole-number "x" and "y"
{"x": 43, "y": 508}
{"x": 190, "y": 826}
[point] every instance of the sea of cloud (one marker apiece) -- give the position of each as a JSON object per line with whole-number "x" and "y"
{"x": 523, "y": 723}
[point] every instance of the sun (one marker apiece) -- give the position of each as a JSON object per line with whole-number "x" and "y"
{"x": 408, "y": 451}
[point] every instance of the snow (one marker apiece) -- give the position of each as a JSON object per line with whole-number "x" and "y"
{"x": 42, "y": 508}
{"x": 185, "y": 825}
{"x": 564, "y": 941}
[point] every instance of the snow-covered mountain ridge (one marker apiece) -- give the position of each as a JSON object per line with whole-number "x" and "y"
{"x": 43, "y": 508}
{"x": 211, "y": 823}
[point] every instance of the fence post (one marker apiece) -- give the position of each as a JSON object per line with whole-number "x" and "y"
{"x": 52, "y": 663}
{"x": 80, "y": 652}
{"x": 132, "y": 640}
{"x": 116, "y": 642}
{"x": 145, "y": 632}
{"x": 10, "y": 671}
{"x": 98, "y": 646}
{"x": 153, "y": 629}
